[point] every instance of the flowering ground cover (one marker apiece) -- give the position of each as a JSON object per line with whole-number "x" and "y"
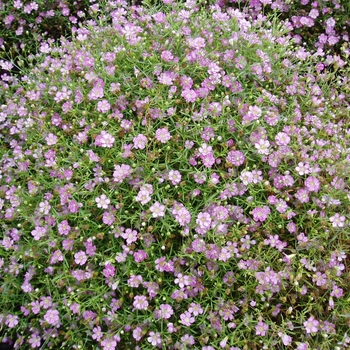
{"x": 321, "y": 25}
{"x": 175, "y": 177}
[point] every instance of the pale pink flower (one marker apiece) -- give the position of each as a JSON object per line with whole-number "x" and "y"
{"x": 186, "y": 319}
{"x": 174, "y": 176}
{"x": 163, "y": 135}
{"x": 103, "y": 106}
{"x": 337, "y": 220}
{"x": 51, "y": 139}
{"x": 311, "y": 325}
{"x": 140, "y": 141}
{"x": 262, "y": 146}
{"x": 158, "y": 210}
{"x": 11, "y": 321}
{"x": 80, "y": 258}
{"x": 140, "y": 302}
{"x": 102, "y": 201}
{"x": 105, "y": 140}
{"x": 261, "y": 328}
{"x": 155, "y": 339}
{"x": 52, "y": 317}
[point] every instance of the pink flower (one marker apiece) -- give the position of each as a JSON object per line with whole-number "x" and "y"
{"x": 103, "y": 106}
{"x": 44, "y": 207}
{"x": 203, "y": 220}
{"x": 182, "y": 280}
{"x": 282, "y": 139}
{"x": 196, "y": 43}
{"x": 108, "y": 344}
{"x": 189, "y": 95}
{"x": 235, "y": 157}
{"x": 105, "y": 140}
{"x": 174, "y": 176}
{"x": 80, "y": 258}
{"x": 140, "y": 141}
{"x": 195, "y": 309}
{"x": 312, "y": 184}
{"x": 246, "y": 177}
{"x": 155, "y": 339}
{"x": 166, "y": 78}
{"x": 140, "y": 302}
{"x": 167, "y": 56}
{"x": 311, "y": 325}
{"x": 208, "y": 160}
{"x": 183, "y": 216}
{"x": 143, "y": 196}
{"x": 302, "y": 168}
{"x": 140, "y": 255}
{"x": 337, "y": 220}
{"x": 165, "y": 311}
{"x": 261, "y": 328}
{"x": 130, "y": 236}
{"x": 52, "y": 317}
{"x": 102, "y": 202}
{"x": 262, "y": 146}
{"x": 186, "y": 319}
{"x": 137, "y": 333}
{"x": 163, "y": 135}
{"x": 97, "y": 333}
{"x": 11, "y": 321}
{"x": 38, "y": 232}
{"x": 121, "y": 172}
{"x": 109, "y": 270}
{"x": 261, "y": 213}
{"x": 35, "y": 341}
{"x": 51, "y": 139}
{"x": 303, "y": 195}
{"x": 56, "y": 257}
{"x": 205, "y": 149}
{"x": 286, "y": 339}
{"x": 108, "y": 218}
{"x": 158, "y": 210}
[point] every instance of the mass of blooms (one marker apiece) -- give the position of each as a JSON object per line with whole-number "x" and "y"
{"x": 176, "y": 176}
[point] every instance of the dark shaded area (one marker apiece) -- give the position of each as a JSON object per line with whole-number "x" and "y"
{"x": 5, "y": 346}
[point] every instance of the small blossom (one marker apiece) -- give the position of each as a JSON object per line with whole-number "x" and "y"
{"x": 52, "y": 317}
{"x": 174, "y": 176}
{"x": 312, "y": 184}
{"x": 97, "y": 333}
{"x": 102, "y": 201}
{"x": 158, "y": 210}
{"x": 189, "y": 95}
{"x": 38, "y": 232}
{"x": 186, "y": 319}
{"x": 140, "y": 141}
{"x": 140, "y": 302}
{"x": 103, "y": 106}
{"x": 261, "y": 213}
{"x": 262, "y": 146}
{"x": 261, "y": 328}
{"x": 51, "y": 139}
{"x": 105, "y": 140}
{"x": 337, "y": 220}
{"x": 167, "y": 56}
{"x": 155, "y": 339}
{"x": 311, "y": 325}
{"x": 163, "y": 135}
{"x": 80, "y": 258}
{"x": 11, "y": 321}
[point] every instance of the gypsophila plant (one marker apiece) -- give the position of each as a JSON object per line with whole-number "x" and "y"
{"x": 175, "y": 177}
{"x": 28, "y": 26}
{"x": 322, "y": 25}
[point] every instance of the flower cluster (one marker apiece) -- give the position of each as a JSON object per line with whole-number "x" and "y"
{"x": 176, "y": 177}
